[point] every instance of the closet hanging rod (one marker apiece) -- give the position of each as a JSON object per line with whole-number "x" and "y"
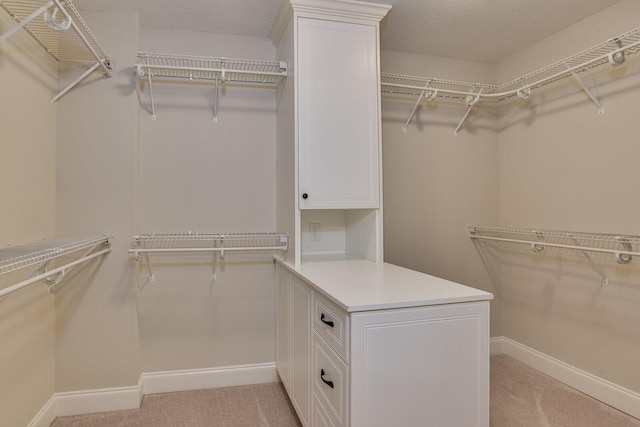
{"x": 612, "y": 51}
{"x": 16, "y": 258}
{"x": 621, "y": 246}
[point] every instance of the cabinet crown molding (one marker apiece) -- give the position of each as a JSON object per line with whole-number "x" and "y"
{"x": 346, "y": 9}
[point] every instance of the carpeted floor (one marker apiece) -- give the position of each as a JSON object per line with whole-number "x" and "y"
{"x": 520, "y": 397}
{"x": 523, "y": 397}
{"x": 261, "y": 405}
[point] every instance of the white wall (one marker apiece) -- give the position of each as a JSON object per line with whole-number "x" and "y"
{"x": 564, "y": 166}
{"x": 195, "y": 175}
{"x": 96, "y": 306}
{"x": 27, "y": 185}
{"x": 435, "y": 183}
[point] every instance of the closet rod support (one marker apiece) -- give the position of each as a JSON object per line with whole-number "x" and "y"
{"x": 605, "y": 279}
{"x": 415, "y": 108}
{"x": 73, "y": 84}
{"x": 471, "y": 101}
{"x": 215, "y": 101}
{"x": 153, "y": 106}
{"x": 590, "y": 94}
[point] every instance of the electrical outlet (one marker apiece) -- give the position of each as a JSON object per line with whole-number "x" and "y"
{"x": 314, "y": 230}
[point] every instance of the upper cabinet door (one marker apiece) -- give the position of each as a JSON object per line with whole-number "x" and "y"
{"x": 338, "y": 121}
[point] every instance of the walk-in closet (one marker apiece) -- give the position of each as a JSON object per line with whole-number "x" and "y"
{"x": 319, "y": 213}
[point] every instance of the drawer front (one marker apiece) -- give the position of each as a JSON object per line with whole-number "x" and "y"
{"x": 320, "y": 416}
{"x": 330, "y": 379}
{"x": 333, "y": 324}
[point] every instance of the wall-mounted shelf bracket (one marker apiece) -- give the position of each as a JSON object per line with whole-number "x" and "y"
{"x": 586, "y": 89}
{"x": 471, "y": 100}
{"x": 59, "y": 16}
{"x": 622, "y": 247}
{"x": 605, "y": 279}
{"x": 41, "y": 256}
{"x": 429, "y": 94}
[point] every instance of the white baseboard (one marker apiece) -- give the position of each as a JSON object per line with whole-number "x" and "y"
{"x": 612, "y": 394}
{"x": 195, "y": 379}
{"x": 121, "y": 398}
{"x": 45, "y": 415}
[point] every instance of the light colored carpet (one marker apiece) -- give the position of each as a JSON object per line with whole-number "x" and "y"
{"x": 524, "y": 397}
{"x": 261, "y": 405}
{"x": 520, "y": 397}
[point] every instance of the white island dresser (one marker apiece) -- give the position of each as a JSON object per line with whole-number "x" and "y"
{"x": 367, "y": 344}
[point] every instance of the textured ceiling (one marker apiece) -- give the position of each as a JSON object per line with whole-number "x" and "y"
{"x": 485, "y": 30}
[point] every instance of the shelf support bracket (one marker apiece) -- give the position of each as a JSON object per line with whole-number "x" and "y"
{"x": 74, "y": 83}
{"x": 605, "y": 279}
{"x": 471, "y": 101}
{"x": 153, "y": 107}
{"x": 417, "y": 104}
{"x": 590, "y": 94}
{"x": 215, "y": 101}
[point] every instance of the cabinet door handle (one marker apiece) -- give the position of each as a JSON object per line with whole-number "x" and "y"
{"x": 305, "y": 196}
{"x": 326, "y": 322}
{"x": 329, "y": 383}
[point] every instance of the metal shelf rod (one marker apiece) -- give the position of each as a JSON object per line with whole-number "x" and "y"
{"x": 62, "y": 269}
{"x": 137, "y": 252}
{"x": 555, "y": 245}
{"x": 538, "y": 243}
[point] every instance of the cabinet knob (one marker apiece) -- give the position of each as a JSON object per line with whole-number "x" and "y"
{"x": 326, "y": 322}
{"x": 305, "y": 196}
{"x": 327, "y": 382}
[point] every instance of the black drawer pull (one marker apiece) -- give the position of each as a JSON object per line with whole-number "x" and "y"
{"x": 329, "y": 383}
{"x": 326, "y": 322}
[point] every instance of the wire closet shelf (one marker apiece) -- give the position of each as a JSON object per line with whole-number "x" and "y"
{"x": 207, "y": 242}
{"x": 39, "y": 255}
{"x": 623, "y": 247}
{"x": 216, "y": 243}
{"x": 218, "y": 70}
{"x": 612, "y": 51}
{"x": 61, "y": 31}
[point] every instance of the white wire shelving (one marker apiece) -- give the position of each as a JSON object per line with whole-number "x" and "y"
{"x": 35, "y": 258}
{"x": 612, "y": 51}
{"x": 217, "y": 70}
{"x": 216, "y": 243}
{"x": 58, "y": 27}
{"x": 623, "y": 247}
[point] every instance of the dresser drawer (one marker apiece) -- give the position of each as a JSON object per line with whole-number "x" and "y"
{"x": 320, "y": 416}
{"x": 330, "y": 379}
{"x": 333, "y": 324}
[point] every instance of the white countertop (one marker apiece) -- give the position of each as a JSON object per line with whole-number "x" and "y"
{"x": 359, "y": 285}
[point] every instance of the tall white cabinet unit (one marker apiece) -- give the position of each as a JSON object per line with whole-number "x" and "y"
{"x": 328, "y": 129}
{"x": 360, "y": 343}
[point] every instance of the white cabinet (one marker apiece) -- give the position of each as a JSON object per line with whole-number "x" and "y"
{"x": 293, "y": 336}
{"x": 338, "y": 115}
{"x": 424, "y": 366}
{"x": 414, "y": 366}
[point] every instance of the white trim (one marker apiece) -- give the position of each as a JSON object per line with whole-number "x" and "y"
{"x": 102, "y": 400}
{"x": 45, "y": 415}
{"x": 122, "y": 398}
{"x": 612, "y": 394}
{"x": 195, "y": 379}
